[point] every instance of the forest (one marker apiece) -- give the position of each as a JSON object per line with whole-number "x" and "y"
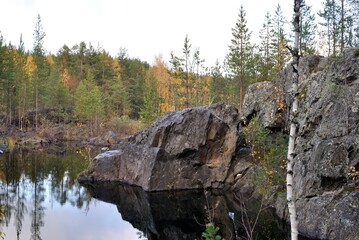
{"x": 96, "y": 87}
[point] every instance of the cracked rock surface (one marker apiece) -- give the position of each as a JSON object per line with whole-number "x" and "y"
{"x": 188, "y": 149}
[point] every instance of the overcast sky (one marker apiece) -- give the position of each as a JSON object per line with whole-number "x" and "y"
{"x": 146, "y": 28}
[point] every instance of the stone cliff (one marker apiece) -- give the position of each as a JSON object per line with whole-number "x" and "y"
{"x": 327, "y": 157}
{"x": 204, "y": 147}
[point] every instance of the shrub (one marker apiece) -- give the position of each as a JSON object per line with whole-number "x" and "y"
{"x": 124, "y": 125}
{"x": 211, "y": 232}
{"x": 269, "y": 149}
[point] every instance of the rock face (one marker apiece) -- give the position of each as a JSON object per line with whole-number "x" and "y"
{"x": 204, "y": 147}
{"x": 187, "y": 149}
{"x": 327, "y": 159}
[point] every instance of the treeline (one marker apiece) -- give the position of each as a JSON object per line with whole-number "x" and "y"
{"x": 98, "y": 87}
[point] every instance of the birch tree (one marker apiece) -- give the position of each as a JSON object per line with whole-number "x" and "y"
{"x": 293, "y": 126}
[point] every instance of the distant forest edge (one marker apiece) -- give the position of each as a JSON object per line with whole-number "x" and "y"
{"x": 97, "y": 87}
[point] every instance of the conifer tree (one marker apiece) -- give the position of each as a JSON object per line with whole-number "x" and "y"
{"x": 133, "y": 72}
{"x": 353, "y": 24}
{"x": 266, "y": 61}
{"x": 279, "y": 40}
{"x": 116, "y": 98}
{"x": 186, "y": 64}
{"x": 150, "y": 109}
{"x": 89, "y": 105}
{"x": 8, "y": 80}
{"x": 218, "y": 91}
{"x": 240, "y": 54}
{"x": 164, "y": 84}
{"x": 307, "y": 31}
{"x": 23, "y": 83}
{"x": 199, "y": 86}
{"x": 330, "y": 15}
{"x": 42, "y": 68}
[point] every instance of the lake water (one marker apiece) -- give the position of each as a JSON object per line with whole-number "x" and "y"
{"x": 42, "y": 200}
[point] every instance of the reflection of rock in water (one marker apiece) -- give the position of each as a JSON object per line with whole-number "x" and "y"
{"x": 183, "y": 214}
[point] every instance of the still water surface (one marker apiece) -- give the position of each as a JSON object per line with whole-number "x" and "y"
{"x": 42, "y": 200}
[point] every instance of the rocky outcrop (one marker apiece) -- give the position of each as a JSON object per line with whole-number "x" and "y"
{"x": 204, "y": 147}
{"x": 327, "y": 158}
{"x": 187, "y": 149}
{"x": 265, "y": 100}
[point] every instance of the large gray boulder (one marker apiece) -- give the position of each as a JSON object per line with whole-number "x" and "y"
{"x": 327, "y": 158}
{"x": 187, "y": 149}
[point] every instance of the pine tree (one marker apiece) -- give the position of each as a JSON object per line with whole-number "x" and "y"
{"x": 353, "y": 36}
{"x": 81, "y": 53}
{"x": 42, "y": 68}
{"x": 56, "y": 94}
{"x": 151, "y": 107}
{"x": 266, "y": 59}
{"x": 307, "y": 32}
{"x": 279, "y": 40}
{"x": 350, "y": 23}
{"x": 331, "y": 22}
{"x": 175, "y": 90}
{"x": 218, "y": 84}
{"x": 240, "y": 54}
{"x": 133, "y": 72}
{"x": 186, "y": 64}
{"x": 117, "y": 97}
{"x": 23, "y": 83}
{"x": 67, "y": 67}
{"x": 89, "y": 105}
{"x": 164, "y": 84}
{"x": 198, "y": 83}
{"x": 8, "y": 80}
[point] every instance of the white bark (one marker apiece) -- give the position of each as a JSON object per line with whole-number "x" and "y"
{"x": 293, "y": 126}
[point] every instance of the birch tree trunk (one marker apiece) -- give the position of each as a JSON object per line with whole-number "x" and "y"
{"x": 293, "y": 125}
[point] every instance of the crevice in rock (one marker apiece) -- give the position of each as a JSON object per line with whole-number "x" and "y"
{"x": 241, "y": 173}
{"x": 275, "y": 129}
{"x": 246, "y": 120}
{"x": 331, "y": 183}
{"x": 188, "y": 154}
{"x": 311, "y": 196}
{"x": 351, "y": 153}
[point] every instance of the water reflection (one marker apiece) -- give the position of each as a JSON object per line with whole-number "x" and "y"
{"x": 42, "y": 200}
{"x": 183, "y": 214}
